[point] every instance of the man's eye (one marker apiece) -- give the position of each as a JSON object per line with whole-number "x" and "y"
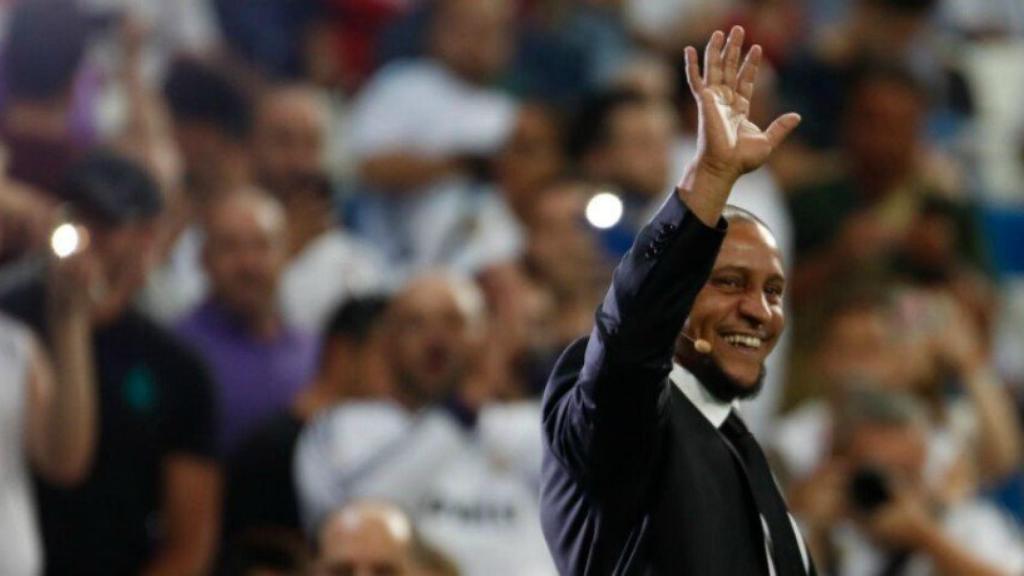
{"x": 775, "y": 291}
{"x": 728, "y": 282}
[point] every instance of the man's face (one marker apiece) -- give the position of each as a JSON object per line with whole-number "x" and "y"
{"x": 124, "y": 254}
{"x": 884, "y": 107}
{"x": 474, "y": 37}
{"x": 245, "y": 254}
{"x": 531, "y": 158}
{"x": 639, "y": 147}
{"x": 430, "y": 338}
{"x": 739, "y": 311}
{"x": 859, "y": 344}
{"x": 289, "y": 139}
{"x": 898, "y": 450}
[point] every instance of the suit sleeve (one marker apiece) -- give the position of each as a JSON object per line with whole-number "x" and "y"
{"x": 602, "y": 413}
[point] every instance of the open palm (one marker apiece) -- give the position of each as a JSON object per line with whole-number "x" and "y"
{"x": 727, "y": 140}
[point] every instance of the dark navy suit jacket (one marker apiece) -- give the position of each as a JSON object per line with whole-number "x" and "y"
{"x": 635, "y": 480}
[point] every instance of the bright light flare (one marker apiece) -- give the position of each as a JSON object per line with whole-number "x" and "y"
{"x": 604, "y": 210}
{"x": 66, "y": 240}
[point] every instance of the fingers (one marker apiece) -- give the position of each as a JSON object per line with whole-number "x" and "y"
{"x": 693, "y": 71}
{"x": 731, "y": 55}
{"x": 713, "y": 59}
{"x": 781, "y": 128}
{"x": 748, "y": 72}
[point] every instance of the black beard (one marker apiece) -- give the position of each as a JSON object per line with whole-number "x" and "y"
{"x": 720, "y": 384}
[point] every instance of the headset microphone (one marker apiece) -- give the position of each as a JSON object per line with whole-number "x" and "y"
{"x": 699, "y": 344}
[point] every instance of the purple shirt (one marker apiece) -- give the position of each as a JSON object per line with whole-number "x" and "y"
{"x": 255, "y": 378}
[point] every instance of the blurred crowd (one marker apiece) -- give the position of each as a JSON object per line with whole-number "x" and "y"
{"x": 281, "y": 281}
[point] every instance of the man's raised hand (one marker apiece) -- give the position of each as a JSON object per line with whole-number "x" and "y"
{"x": 727, "y": 139}
{"x": 728, "y": 143}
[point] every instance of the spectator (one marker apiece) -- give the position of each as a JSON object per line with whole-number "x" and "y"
{"x": 876, "y": 513}
{"x": 464, "y": 467}
{"x": 326, "y": 264}
{"x": 36, "y": 116}
{"x": 419, "y": 130}
{"x": 623, "y": 140}
{"x": 261, "y": 487}
{"x": 211, "y": 120}
{"x": 905, "y": 342}
{"x": 48, "y": 411}
{"x": 532, "y": 158}
{"x": 259, "y": 360}
{"x": 854, "y": 221}
{"x": 365, "y": 538}
{"x": 154, "y": 490}
{"x": 817, "y": 79}
{"x": 376, "y": 538}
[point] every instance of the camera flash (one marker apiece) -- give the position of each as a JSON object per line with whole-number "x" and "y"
{"x": 65, "y": 240}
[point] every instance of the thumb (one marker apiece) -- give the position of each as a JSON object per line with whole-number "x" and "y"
{"x": 781, "y": 127}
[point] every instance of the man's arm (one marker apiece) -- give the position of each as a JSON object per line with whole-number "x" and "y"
{"x": 604, "y": 418}
{"x": 905, "y": 522}
{"x": 62, "y": 414}
{"x": 191, "y": 508}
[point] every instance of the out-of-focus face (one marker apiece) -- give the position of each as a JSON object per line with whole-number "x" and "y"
{"x": 213, "y": 159}
{"x": 430, "y": 338}
{"x": 888, "y": 108}
{"x": 474, "y": 37}
{"x": 900, "y": 451}
{"x": 532, "y": 158}
{"x": 860, "y": 344}
{"x": 739, "y": 311}
{"x": 639, "y": 147}
{"x": 289, "y": 139}
{"x": 365, "y": 542}
{"x": 245, "y": 253}
{"x": 125, "y": 254}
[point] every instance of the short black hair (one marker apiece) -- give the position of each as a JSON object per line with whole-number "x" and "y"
{"x": 591, "y": 125}
{"x": 200, "y": 92}
{"x": 111, "y": 189}
{"x": 45, "y": 44}
{"x": 732, "y": 212}
{"x": 872, "y": 72}
{"x": 356, "y": 318}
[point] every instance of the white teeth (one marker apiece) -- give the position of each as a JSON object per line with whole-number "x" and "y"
{"x": 743, "y": 340}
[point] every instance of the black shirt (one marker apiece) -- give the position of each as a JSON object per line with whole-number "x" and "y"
{"x": 155, "y": 401}
{"x": 261, "y": 486}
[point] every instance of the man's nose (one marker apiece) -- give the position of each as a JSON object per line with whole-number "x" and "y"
{"x": 754, "y": 307}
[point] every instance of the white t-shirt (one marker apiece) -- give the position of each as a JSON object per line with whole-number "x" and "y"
{"x": 20, "y": 553}
{"x": 975, "y": 525}
{"x": 330, "y": 270}
{"x": 473, "y": 493}
{"x": 419, "y": 107}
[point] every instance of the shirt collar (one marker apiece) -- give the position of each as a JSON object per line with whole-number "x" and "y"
{"x": 715, "y": 410}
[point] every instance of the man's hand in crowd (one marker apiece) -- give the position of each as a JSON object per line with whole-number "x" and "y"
{"x": 903, "y": 522}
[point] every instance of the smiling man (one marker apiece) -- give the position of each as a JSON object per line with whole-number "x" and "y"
{"x": 648, "y": 467}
